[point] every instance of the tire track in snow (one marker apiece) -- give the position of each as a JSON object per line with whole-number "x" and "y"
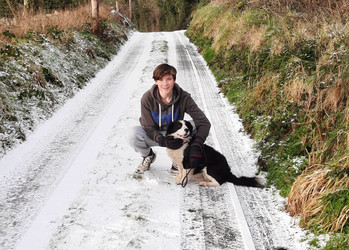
{"x": 105, "y": 207}
{"x": 25, "y": 190}
{"x": 226, "y": 225}
{"x": 262, "y": 217}
{"x": 126, "y": 210}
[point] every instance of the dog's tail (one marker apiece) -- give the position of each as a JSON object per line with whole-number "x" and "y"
{"x": 246, "y": 181}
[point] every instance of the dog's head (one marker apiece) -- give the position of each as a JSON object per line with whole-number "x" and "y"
{"x": 180, "y": 129}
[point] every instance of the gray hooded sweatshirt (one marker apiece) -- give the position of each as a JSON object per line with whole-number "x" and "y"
{"x": 156, "y": 115}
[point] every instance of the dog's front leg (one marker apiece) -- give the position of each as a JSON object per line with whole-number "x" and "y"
{"x": 180, "y": 176}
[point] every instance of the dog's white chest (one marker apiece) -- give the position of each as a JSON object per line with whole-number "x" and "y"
{"x": 177, "y": 155}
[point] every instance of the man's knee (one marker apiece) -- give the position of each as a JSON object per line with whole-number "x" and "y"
{"x": 135, "y": 134}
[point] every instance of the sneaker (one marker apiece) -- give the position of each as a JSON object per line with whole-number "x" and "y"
{"x": 145, "y": 165}
{"x": 174, "y": 169}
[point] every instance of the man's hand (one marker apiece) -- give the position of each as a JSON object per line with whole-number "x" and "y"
{"x": 170, "y": 142}
{"x": 195, "y": 156}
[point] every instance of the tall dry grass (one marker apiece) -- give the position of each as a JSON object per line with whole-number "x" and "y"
{"x": 307, "y": 197}
{"x": 306, "y": 8}
{"x": 318, "y": 29}
{"x": 326, "y": 99}
{"x": 38, "y": 21}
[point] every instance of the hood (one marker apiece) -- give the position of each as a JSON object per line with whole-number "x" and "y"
{"x": 154, "y": 91}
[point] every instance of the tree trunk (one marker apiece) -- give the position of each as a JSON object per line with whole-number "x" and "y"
{"x": 26, "y": 4}
{"x": 96, "y": 29}
{"x": 130, "y": 8}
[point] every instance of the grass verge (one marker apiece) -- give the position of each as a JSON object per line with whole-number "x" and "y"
{"x": 287, "y": 74}
{"x": 41, "y": 66}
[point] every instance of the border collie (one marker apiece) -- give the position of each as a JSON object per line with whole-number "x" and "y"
{"x": 214, "y": 172}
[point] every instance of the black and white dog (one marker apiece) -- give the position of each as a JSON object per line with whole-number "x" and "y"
{"x": 214, "y": 172}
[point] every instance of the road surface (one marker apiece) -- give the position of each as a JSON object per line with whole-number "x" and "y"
{"x": 70, "y": 185}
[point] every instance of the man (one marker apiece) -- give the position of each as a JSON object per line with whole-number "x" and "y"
{"x": 164, "y": 103}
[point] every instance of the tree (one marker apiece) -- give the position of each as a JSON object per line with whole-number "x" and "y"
{"x": 95, "y": 17}
{"x": 26, "y": 4}
{"x": 130, "y": 8}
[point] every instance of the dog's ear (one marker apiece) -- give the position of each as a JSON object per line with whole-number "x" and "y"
{"x": 189, "y": 126}
{"x": 173, "y": 127}
{"x": 169, "y": 129}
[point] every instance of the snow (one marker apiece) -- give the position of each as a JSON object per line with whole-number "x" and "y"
{"x": 71, "y": 184}
{"x": 41, "y": 74}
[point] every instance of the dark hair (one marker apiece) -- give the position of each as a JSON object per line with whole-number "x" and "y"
{"x": 164, "y": 69}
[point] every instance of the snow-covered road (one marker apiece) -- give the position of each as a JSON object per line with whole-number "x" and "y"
{"x": 70, "y": 185}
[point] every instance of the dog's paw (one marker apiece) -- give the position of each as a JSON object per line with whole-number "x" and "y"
{"x": 209, "y": 184}
{"x": 203, "y": 183}
{"x": 178, "y": 180}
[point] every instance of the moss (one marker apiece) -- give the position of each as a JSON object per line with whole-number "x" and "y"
{"x": 55, "y": 33}
{"x": 334, "y": 203}
{"x": 209, "y": 54}
{"x": 10, "y": 51}
{"x": 50, "y": 77}
{"x": 315, "y": 243}
{"x": 338, "y": 242}
{"x": 256, "y": 17}
{"x": 9, "y": 34}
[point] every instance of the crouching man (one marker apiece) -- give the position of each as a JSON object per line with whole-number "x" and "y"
{"x": 164, "y": 103}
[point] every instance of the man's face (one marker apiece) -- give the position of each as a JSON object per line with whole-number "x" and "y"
{"x": 165, "y": 84}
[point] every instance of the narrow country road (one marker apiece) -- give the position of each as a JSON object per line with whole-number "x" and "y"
{"x": 70, "y": 185}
